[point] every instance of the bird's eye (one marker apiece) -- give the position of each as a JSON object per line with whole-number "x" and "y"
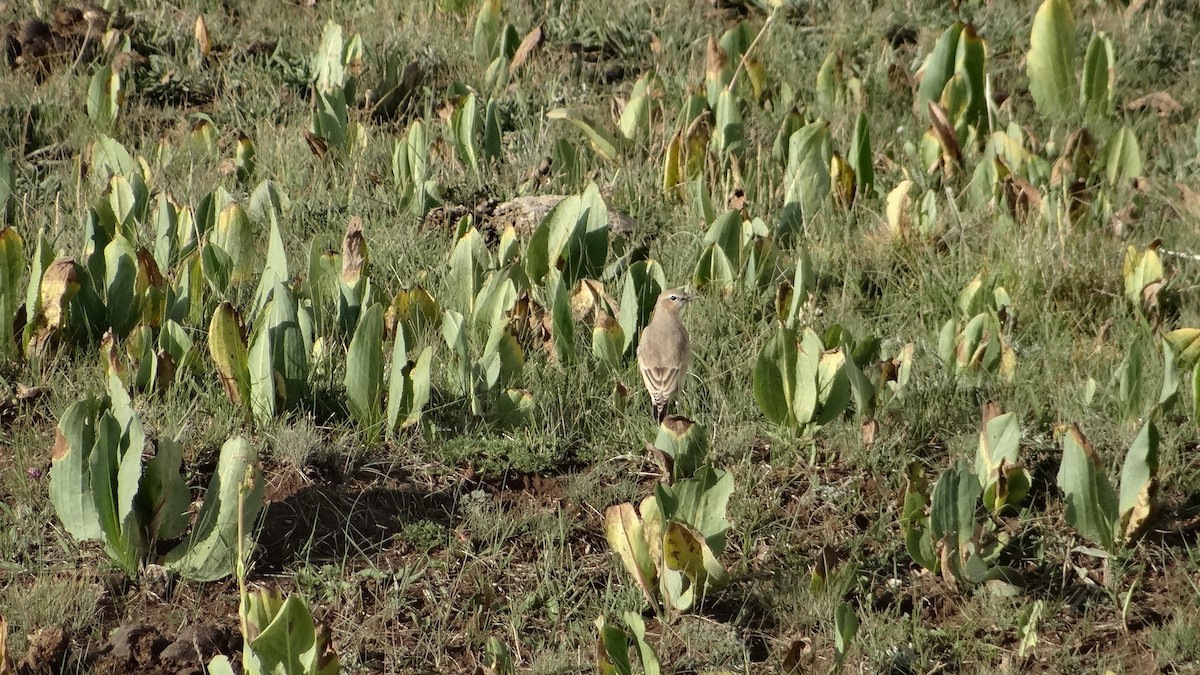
{"x": 674, "y": 298}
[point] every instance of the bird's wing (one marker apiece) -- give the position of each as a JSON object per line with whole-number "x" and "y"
{"x": 661, "y": 382}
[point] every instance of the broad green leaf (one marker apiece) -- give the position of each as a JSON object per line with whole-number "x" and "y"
{"x": 1140, "y": 270}
{"x": 275, "y": 269}
{"x": 833, "y": 387}
{"x": 938, "y": 67}
{"x": 999, "y": 439}
{"x": 12, "y": 265}
{"x": 211, "y": 549}
{"x": 1122, "y": 157}
{"x": 686, "y": 550}
{"x": 235, "y": 237}
{"x": 635, "y": 117}
{"x": 330, "y": 120}
{"x": 650, "y": 663}
{"x": 492, "y": 133}
{"x": 700, "y": 502}
{"x": 462, "y": 126}
{"x": 952, "y": 506}
{"x": 728, "y": 130}
{"x": 70, "y": 473}
{"x": 327, "y": 66}
{"x": 174, "y": 340}
{"x": 121, "y": 295}
{"x": 612, "y": 650}
{"x": 1099, "y": 76}
{"x": 914, "y": 522}
{"x": 1196, "y": 392}
{"x": 1139, "y": 478}
{"x": 807, "y": 181}
{"x": 686, "y": 443}
{"x": 221, "y": 665}
{"x": 644, "y": 282}
{"x": 166, "y": 496}
{"x": 806, "y": 392}
{"x": 1092, "y": 506}
{"x": 281, "y": 644}
{"x": 971, "y": 65}
{"x": 860, "y": 157}
{"x": 8, "y": 188}
{"x": 563, "y": 325}
{"x": 831, "y": 86}
{"x": 513, "y": 406}
{"x": 497, "y": 660}
{"x": 487, "y": 30}
{"x": 603, "y": 141}
{"x": 775, "y": 377}
{"x": 364, "y": 373}
{"x": 269, "y": 202}
{"x": 265, "y": 386}
{"x": 608, "y": 340}
{"x": 1169, "y": 391}
{"x": 103, "y": 469}
{"x": 469, "y": 261}
{"x": 420, "y": 378}
{"x": 714, "y": 269}
{"x": 228, "y": 350}
{"x": 1131, "y": 392}
{"x": 105, "y": 96}
{"x": 289, "y": 347}
{"x": 845, "y": 628}
{"x": 166, "y": 231}
{"x": 110, "y": 158}
{"x": 1051, "y": 59}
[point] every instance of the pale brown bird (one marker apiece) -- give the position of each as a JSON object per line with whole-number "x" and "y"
{"x": 664, "y": 352}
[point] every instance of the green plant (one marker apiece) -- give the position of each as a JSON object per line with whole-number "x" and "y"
{"x": 1182, "y": 347}
{"x": 572, "y": 238}
{"x": 280, "y": 639}
{"x": 334, "y": 72}
{"x": 974, "y": 342}
{"x": 1143, "y": 275}
{"x": 1051, "y": 65}
{"x": 1094, "y": 508}
{"x": 807, "y": 181}
{"x": 418, "y": 192}
{"x": 845, "y": 628}
{"x": 12, "y": 265}
{"x": 612, "y": 650}
{"x": 997, "y": 464}
{"x": 873, "y": 381}
{"x": 101, "y": 489}
{"x": 941, "y": 532}
{"x": 671, "y": 542}
{"x": 953, "y": 93}
{"x": 279, "y": 636}
{"x": 738, "y": 251}
{"x": 486, "y": 359}
{"x": 798, "y": 384}
{"x": 105, "y": 96}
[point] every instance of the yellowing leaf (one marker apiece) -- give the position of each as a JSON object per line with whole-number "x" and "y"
{"x": 1186, "y": 343}
{"x": 624, "y": 533}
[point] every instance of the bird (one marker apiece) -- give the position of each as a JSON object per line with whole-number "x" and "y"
{"x": 664, "y": 351}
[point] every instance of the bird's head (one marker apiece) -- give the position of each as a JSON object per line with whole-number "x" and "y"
{"x": 672, "y": 300}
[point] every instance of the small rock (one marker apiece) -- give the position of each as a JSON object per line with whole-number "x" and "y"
{"x": 195, "y": 644}
{"x": 46, "y": 652}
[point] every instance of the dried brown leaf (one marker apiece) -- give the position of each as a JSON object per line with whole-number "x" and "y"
{"x": 1163, "y": 103}
{"x": 533, "y": 39}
